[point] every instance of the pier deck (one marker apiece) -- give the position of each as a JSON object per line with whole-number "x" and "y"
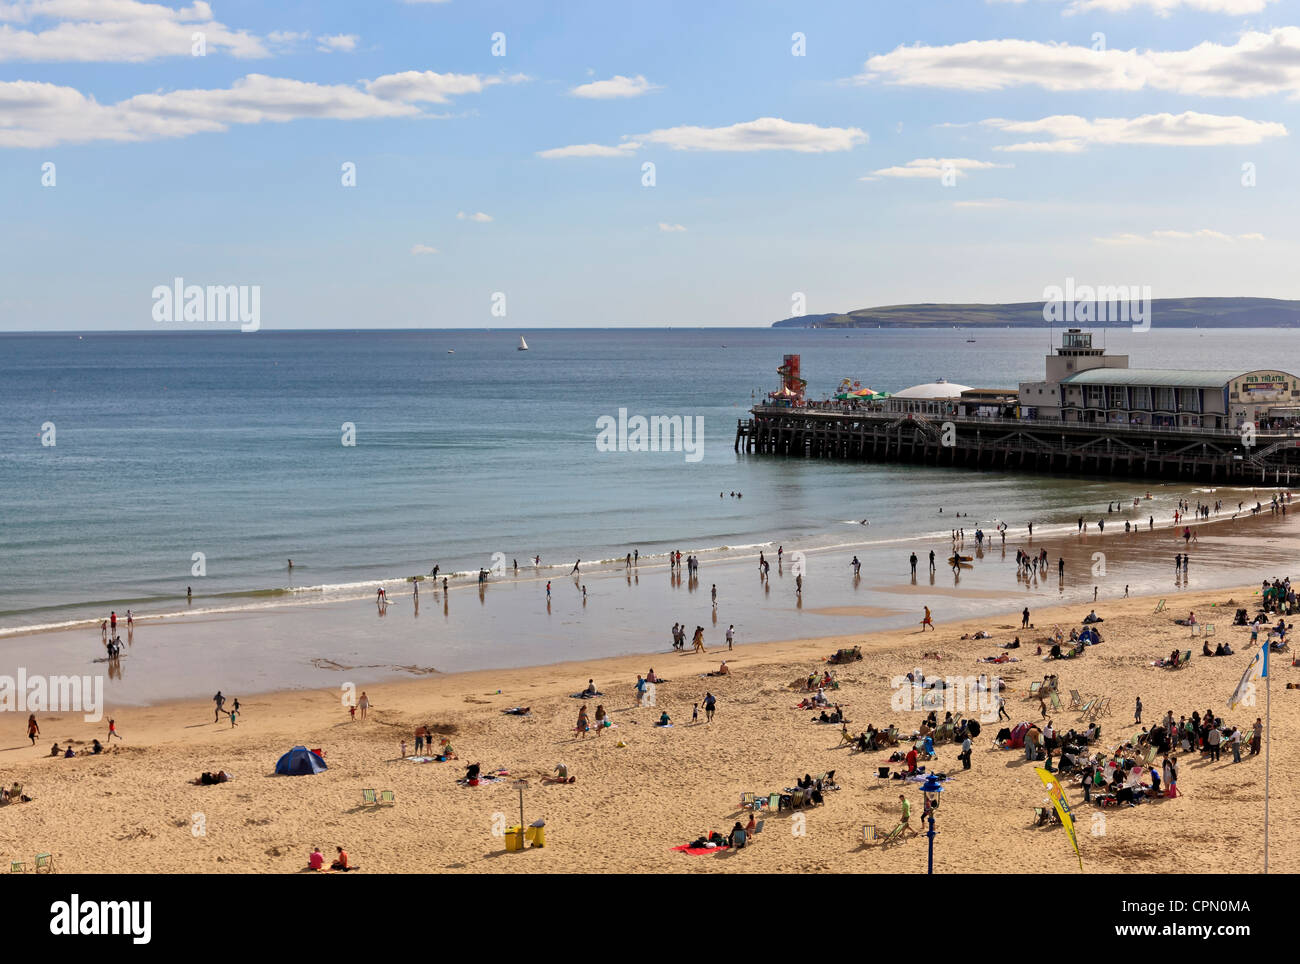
{"x": 1083, "y": 448}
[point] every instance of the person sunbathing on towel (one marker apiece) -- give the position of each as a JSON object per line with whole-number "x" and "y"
{"x": 341, "y": 862}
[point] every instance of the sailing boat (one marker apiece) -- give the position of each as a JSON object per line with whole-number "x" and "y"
{"x": 523, "y": 345}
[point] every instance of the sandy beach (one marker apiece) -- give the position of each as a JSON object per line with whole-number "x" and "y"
{"x": 134, "y": 809}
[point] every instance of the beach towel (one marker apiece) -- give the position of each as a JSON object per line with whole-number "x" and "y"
{"x": 585, "y": 696}
{"x": 423, "y": 759}
{"x": 696, "y": 851}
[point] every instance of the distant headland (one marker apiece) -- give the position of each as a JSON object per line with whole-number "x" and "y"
{"x": 1165, "y": 312}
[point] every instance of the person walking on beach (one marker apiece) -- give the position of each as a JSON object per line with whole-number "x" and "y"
{"x": 363, "y": 704}
{"x": 731, "y": 635}
{"x": 1002, "y": 708}
{"x": 1024, "y": 618}
{"x": 932, "y": 562}
{"x": 1137, "y": 711}
{"x": 583, "y": 724}
{"x": 964, "y": 755}
{"x": 710, "y": 704}
{"x": 798, "y": 584}
{"x": 905, "y": 816}
{"x": 221, "y": 704}
{"x": 928, "y": 620}
{"x": 913, "y": 561}
{"x": 33, "y": 729}
{"x": 548, "y": 590}
{"x": 575, "y": 567}
{"x": 698, "y": 642}
{"x": 112, "y": 621}
{"x": 112, "y": 731}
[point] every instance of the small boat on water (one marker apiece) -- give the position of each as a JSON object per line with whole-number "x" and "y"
{"x": 523, "y": 345}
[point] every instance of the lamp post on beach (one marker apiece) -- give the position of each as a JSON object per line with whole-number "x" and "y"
{"x": 931, "y": 790}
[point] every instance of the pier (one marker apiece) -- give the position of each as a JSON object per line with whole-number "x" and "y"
{"x": 1218, "y": 456}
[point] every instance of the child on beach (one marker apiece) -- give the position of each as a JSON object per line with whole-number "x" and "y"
{"x": 233, "y": 714}
{"x": 112, "y": 731}
{"x": 695, "y": 714}
{"x": 33, "y": 730}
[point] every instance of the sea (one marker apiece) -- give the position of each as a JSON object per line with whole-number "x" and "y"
{"x": 137, "y": 468}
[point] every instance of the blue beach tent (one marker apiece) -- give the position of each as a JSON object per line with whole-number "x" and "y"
{"x": 299, "y": 761}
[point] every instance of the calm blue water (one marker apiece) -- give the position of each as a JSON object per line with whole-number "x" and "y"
{"x": 229, "y": 445}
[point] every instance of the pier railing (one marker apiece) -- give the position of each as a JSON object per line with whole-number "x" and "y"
{"x": 1031, "y": 424}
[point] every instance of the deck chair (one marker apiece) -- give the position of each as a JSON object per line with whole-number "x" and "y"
{"x": 1160, "y": 606}
{"x": 869, "y": 836}
{"x": 368, "y": 798}
{"x": 796, "y": 800}
{"x": 774, "y": 802}
{"x": 1103, "y": 708}
{"x": 17, "y": 866}
{"x": 1185, "y": 658}
{"x": 1034, "y": 687}
{"x": 44, "y": 863}
{"x": 758, "y": 827}
{"x": 1150, "y": 755}
{"x": 747, "y": 801}
{"x": 891, "y": 736}
{"x": 1087, "y": 708}
{"x": 893, "y": 835}
{"x": 1055, "y": 700}
{"x": 739, "y": 839}
{"x": 1209, "y": 629}
{"x": 1076, "y": 700}
{"x": 387, "y": 796}
{"x": 846, "y": 737}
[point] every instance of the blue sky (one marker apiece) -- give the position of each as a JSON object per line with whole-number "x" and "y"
{"x": 1111, "y": 160}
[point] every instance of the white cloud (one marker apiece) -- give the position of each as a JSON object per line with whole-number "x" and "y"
{"x": 1164, "y": 8}
{"x": 988, "y": 202}
{"x": 423, "y": 249}
{"x": 36, "y": 114}
{"x": 430, "y": 87}
{"x": 1155, "y": 237}
{"x": 1256, "y": 65}
{"x": 1070, "y": 133}
{"x": 342, "y": 42}
{"x": 102, "y": 31}
{"x": 479, "y": 216}
{"x": 763, "y": 134}
{"x": 924, "y": 167}
{"x": 616, "y": 86}
{"x": 665, "y": 226}
{"x": 625, "y": 149}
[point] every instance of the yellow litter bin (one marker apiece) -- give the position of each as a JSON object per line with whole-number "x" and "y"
{"x": 514, "y": 839}
{"x": 536, "y": 836}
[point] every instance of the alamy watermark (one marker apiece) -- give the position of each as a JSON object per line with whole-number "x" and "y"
{"x": 36, "y": 693}
{"x": 208, "y": 303}
{"x": 658, "y": 433}
{"x": 1085, "y": 304}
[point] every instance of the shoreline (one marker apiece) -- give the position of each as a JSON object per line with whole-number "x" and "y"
{"x": 513, "y": 625}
